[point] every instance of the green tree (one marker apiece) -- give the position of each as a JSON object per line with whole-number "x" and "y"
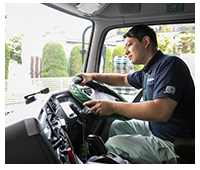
{"x": 164, "y": 44}
{"x": 7, "y": 59}
{"x": 75, "y": 60}
{"x": 108, "y": 61}
{"x": 15, "y": 45}
{"x": 138, "y": 67}
{"x": 117, "y": 51}
{"x": 120, "y": 51}
{"x": 186, "y": 43}
{"x": 53, "y": 62}
{"x": 165, "y": 28}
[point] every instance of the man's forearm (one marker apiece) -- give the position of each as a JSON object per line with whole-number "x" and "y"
{"x": 158, "y": 110}
{"x": 111, "y": 79}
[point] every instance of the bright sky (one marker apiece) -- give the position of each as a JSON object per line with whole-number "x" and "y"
{"x": 34, "y": 19}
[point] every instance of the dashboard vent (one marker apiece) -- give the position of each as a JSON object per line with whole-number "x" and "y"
{"x": 53, "y": 104}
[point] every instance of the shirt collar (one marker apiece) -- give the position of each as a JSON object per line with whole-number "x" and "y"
{"x": 147, "y": 67}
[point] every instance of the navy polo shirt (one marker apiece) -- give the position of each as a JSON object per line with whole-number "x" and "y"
{"x": 169, "y": 76}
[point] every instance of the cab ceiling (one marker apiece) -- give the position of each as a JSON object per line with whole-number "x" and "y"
{"x": 128, "y": 13}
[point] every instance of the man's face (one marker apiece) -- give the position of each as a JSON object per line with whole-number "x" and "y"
{"x": 134, "y": 49}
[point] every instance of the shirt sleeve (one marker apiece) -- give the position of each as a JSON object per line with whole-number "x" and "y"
{"x": 135, "y": 79}
{"x": 171, "y": 77}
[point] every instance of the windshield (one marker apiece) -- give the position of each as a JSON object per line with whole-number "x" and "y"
{"x": 43, "y": 48}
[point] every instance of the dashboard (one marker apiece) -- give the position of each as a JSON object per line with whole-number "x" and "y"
{"x": 49, "y": 130}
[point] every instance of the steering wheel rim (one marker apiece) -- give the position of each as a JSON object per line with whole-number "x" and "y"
{"x": 95, "y": 86}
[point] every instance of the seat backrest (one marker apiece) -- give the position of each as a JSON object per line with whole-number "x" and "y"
{"x": 185, "y": 149}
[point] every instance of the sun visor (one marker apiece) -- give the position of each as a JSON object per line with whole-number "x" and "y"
{"x": 89, "y": 8}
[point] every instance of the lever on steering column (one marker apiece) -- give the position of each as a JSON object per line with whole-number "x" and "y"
{"x": 73, "y": 107}
{"x": 82, "y": 122}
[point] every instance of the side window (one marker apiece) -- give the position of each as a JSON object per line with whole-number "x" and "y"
{"x": 114, "y": 56}
{"x": 179, "y": 40}
{"x": 174, "y": 39}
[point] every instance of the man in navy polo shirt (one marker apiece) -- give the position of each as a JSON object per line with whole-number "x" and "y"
{"x": 168, "y": 110}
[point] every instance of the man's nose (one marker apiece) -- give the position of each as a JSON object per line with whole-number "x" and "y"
{"x": 126, "y": 51}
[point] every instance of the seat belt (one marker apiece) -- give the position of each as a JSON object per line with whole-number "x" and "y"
{"x": 146, "y": 77}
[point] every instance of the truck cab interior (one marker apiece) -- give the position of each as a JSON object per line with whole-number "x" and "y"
{"x": 54, "y": 127}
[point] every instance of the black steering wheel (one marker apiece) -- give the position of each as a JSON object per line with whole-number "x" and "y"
{"x": 95, "y": 91}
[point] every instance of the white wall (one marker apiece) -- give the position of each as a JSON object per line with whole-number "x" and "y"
{"x": 190, "y": 61}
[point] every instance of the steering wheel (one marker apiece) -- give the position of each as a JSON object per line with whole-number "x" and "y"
{"x": 95, "y": 91}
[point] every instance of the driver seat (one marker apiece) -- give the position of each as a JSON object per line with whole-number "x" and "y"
{"x": 185, "y": 149}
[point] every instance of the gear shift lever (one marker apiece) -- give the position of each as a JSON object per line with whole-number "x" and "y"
{"x": 97, "y": 144}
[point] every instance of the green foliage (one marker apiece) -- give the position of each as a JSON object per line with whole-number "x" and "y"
{"x": 118, "y": 51}
{"x": 15, "y": 46}
{"x": 7, "y": 59}
{"x": 165, "y": 28}
{"x": 53, "y": 62}
{"x": 138, "y": 67}
{"x": 75, "y": 60}
{"x": 164, "y": 44}
{"x": 108, "y": 61}
{"x": 186, "y": 43}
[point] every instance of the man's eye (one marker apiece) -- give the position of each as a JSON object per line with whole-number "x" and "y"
{"x": 128, "y": 45}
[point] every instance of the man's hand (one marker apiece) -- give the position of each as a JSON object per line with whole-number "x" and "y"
{"x": 86, "y": 78}
{"x": 100, "y": 107}
{"x": 158, "y": 110}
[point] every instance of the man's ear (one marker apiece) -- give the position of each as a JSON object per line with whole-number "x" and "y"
{"x": 146, "y": 41}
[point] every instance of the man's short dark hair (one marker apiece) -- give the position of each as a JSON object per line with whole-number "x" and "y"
{"x": 139, "y": 31}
